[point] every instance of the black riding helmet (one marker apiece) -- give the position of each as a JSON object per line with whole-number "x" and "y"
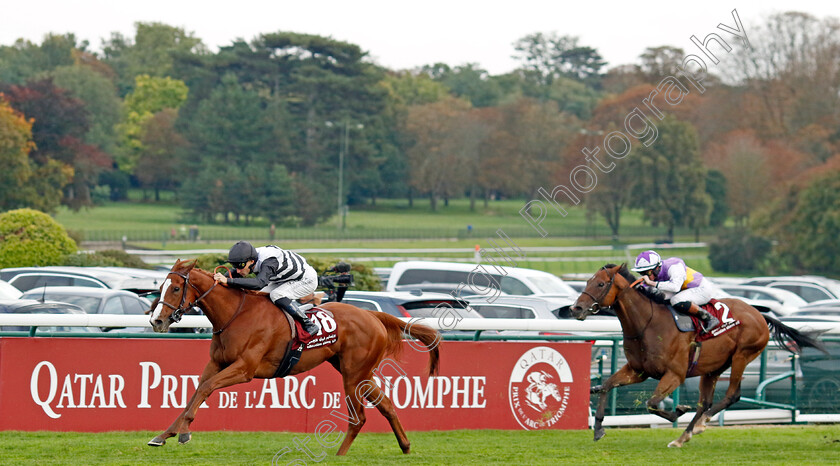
{"x": 241, "y": 253}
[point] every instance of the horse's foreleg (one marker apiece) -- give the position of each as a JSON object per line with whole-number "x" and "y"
{"x": 356, "y": 411}
{"x": 707, "y": 395}
{"x": 624, "y": 376}
{"x": 234, "y": 374}
{"x": 667, "y": 384}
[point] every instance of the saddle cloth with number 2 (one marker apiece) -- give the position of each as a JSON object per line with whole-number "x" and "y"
{"x": 723, "y": 314}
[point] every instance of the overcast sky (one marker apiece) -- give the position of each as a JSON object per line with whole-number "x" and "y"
{"x": 399, "y": 34}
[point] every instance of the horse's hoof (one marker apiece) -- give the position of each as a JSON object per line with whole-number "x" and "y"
{"x": 675, "y": 444}
{"x": 184, "y": 438}
{"x": 156, "y": 442}
{"x": 599, "y": 434}
{"x": 682, "y": 409}
{"x": 596, "y": 389}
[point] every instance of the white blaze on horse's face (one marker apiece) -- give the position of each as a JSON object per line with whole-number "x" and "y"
{"x": 159, "y": 308}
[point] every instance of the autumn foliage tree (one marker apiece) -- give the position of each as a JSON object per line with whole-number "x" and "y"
{"x": 438, "y": 150}
{"x": 15, "y": 145}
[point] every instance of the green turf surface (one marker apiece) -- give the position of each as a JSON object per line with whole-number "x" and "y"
{"x": 390, "y": 219}
{"x": 731, "y": 445}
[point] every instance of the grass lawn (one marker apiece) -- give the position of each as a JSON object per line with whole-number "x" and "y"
{"x": 391, "y": 224}
{"x": 390, "y": 219}
{"x": 733, "y": 445}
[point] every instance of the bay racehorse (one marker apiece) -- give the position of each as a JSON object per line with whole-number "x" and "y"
{"x": 251, "y": 336}
{"x": 655, "y": 348}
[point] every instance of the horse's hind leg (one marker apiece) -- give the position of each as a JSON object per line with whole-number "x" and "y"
{"x": 736, "y": 374}
{"x": 624, "y": 376}
{"x": 698, "y": 422}
{"x": 386, "y": 408}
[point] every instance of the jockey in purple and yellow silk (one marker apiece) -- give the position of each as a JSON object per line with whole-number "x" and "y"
{"x": 688, "y": 289}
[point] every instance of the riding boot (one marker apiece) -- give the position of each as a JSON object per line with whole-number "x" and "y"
{"x": 709, "y": 321}
{"x": 294, "y": 310}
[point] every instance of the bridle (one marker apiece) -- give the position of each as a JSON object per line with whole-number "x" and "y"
{"x": 596, "y": 306}
{"x": 178, "y": 312}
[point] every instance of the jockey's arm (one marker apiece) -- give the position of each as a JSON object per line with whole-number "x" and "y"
{"x": 676, "y": 277}
{"x": 268, "y": 269}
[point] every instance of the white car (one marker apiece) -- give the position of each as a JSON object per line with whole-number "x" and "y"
{"x": 809, "y": 288}
{"x": 776, "y": 300}
{"x": 8, "y": 292}
{"x": 484, "y": 279}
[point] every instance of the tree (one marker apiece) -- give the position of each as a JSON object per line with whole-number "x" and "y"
{"x": 150, "y": 95}
{"x": 804, "y": 225}
{"x": 60, "y": 124}
{"x": 469, "y": 82}
{"x": 229, "y": 127}
{"x": 436, "y": 147}
{"x": 25, "y": 61}
{"x": 671, "y": 180}
{"x": 659, "y": 62}
{"x": 792, "y": 72}
{"x": 15, "y": 145}
{"x": 152, "y": 52}
{"x": 548, "y": 56}
{"x": 738, "y": 251}
{"x": 743, "y": 162}
{"x": 271, "y": 190}
{"x": 32, "y": 238}
{"x": 162, "y": 149}
{"x": 99, "y": 96}
{"x": 716, "y": 188}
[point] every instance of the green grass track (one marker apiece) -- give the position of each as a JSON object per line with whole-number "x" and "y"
{"x": 731, "y": 445}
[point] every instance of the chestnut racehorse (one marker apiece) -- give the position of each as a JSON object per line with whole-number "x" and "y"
{"x": 655, "y": 348}
{"x": 251, "y": 335}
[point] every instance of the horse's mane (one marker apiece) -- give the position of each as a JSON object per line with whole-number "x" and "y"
{"x": 623, "y": 271}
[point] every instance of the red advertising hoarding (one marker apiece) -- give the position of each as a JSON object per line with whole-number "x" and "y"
{"x": 93, "y": 385}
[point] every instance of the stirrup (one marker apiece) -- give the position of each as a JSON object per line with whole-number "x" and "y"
{"x": 305, "y": 307}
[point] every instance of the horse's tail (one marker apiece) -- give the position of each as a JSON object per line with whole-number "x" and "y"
{"x": 785, "y": 335}
{"x": 397, "y": 330}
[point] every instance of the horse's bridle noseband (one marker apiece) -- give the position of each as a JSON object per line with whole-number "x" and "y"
{"x": 178, "y": 312}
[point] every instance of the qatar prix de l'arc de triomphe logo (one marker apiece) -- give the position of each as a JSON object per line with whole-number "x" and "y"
{"x": 539, "y": 388}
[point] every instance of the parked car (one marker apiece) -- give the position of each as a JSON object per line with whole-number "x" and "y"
{"x": 809, "y": 288}
{"x": 140, "y": 281}
{"x": 829, "y": 303}
{"x": 31, "y": 306}
{"x": 828, "y": 313}
{"x": 506, "y": 280}
{"x": 408, "y": 304}
{"x": 96, "y": 301}
{"x": 8, "y": 292}
{"x": 776, "y": 300}
{"x": 518, "y": 307}
{"x": 527, "y": 307}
